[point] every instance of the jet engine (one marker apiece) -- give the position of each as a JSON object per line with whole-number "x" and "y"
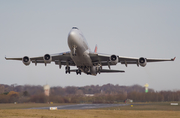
{"x": 142, "y": 61}
{"x": 114, "y": 59}
{"x": 93, "y": 70}
{"x": 47, "y": 58}
{"x": 26, "y": 60}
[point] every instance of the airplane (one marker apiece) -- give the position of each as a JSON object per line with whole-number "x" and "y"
{"x": 84, "y": 59}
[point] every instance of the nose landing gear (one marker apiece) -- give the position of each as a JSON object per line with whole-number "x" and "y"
{"x": 74, "y": 50}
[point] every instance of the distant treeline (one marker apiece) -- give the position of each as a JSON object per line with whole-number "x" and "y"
{"x": 108, "y": 93}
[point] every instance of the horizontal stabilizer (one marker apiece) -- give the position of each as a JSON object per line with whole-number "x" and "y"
{"x": 74, "y": 70}
{"x": 105, "y": 71}
{"x": 111, "y": 71}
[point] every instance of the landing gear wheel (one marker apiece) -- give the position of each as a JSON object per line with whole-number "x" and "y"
{"x": 78, "y": 71}
{"x": 67, "y": 70}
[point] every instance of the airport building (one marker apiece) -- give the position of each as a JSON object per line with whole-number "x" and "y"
{"x": 46, "y": 90}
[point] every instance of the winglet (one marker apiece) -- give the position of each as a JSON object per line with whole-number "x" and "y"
{"x": 95, "y": 50}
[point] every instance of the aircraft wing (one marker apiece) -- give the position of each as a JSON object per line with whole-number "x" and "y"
{"x": 104, "y": 59}
{"x": 63, "y": 58}
{"x": 132, "y": 60}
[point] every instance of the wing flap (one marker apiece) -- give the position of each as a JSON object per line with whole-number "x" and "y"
{"x": 129, "y": 62}
{"x": 71, "y": 63}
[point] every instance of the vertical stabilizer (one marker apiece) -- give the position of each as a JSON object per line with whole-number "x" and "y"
{"x": 95, "y": 50}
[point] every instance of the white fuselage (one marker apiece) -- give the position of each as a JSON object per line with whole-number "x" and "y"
{"x": 78, "y": 44}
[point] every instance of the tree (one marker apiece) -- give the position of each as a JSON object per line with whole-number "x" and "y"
{"x": 25, "y": 93}
{"x": 14, "y": 96}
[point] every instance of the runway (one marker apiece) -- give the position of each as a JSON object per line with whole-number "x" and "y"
{"x": 84, "y": 106}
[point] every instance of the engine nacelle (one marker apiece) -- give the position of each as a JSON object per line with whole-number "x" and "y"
{"x": 26, "y": 60}
{"x": 114, "y": 59}
{"x": 93, "y": 70}
{"x": 47, "y": 58}
{"x": 142, "y": 61}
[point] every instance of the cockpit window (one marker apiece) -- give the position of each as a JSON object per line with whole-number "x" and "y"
{"x": 74, "y": 28}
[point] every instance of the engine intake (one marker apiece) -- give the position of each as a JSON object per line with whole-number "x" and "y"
{"x": 47, "y": 58}
{"x": 26, "y": 60}
{"x": 142, "y": 61}
{"x": 114, "y": 59}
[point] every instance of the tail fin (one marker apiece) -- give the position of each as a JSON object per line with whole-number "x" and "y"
{"x": 95, "y": 50}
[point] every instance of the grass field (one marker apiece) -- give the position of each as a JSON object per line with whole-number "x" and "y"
{"x": 140, "y": 110}
{"x": 28, "y": 105}
{"x": 18, "y": 113}
{"x": 162, "y": 106}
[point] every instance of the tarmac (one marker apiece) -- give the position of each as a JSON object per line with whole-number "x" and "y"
{"x": 83, "y": 106}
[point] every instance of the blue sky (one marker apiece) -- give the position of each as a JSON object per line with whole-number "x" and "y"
{"x": 126, "y": 28}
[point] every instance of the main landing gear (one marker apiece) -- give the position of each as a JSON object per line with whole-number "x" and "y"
{"x": 78, "y": 71}
{"x": 67, "y": 69}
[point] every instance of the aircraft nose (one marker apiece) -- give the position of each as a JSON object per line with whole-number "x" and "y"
{"x": 71, "y": 35}
{"x": 72, "y": 38}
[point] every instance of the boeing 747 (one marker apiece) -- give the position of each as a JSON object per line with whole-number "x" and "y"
{"x": 84, "y": 59}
